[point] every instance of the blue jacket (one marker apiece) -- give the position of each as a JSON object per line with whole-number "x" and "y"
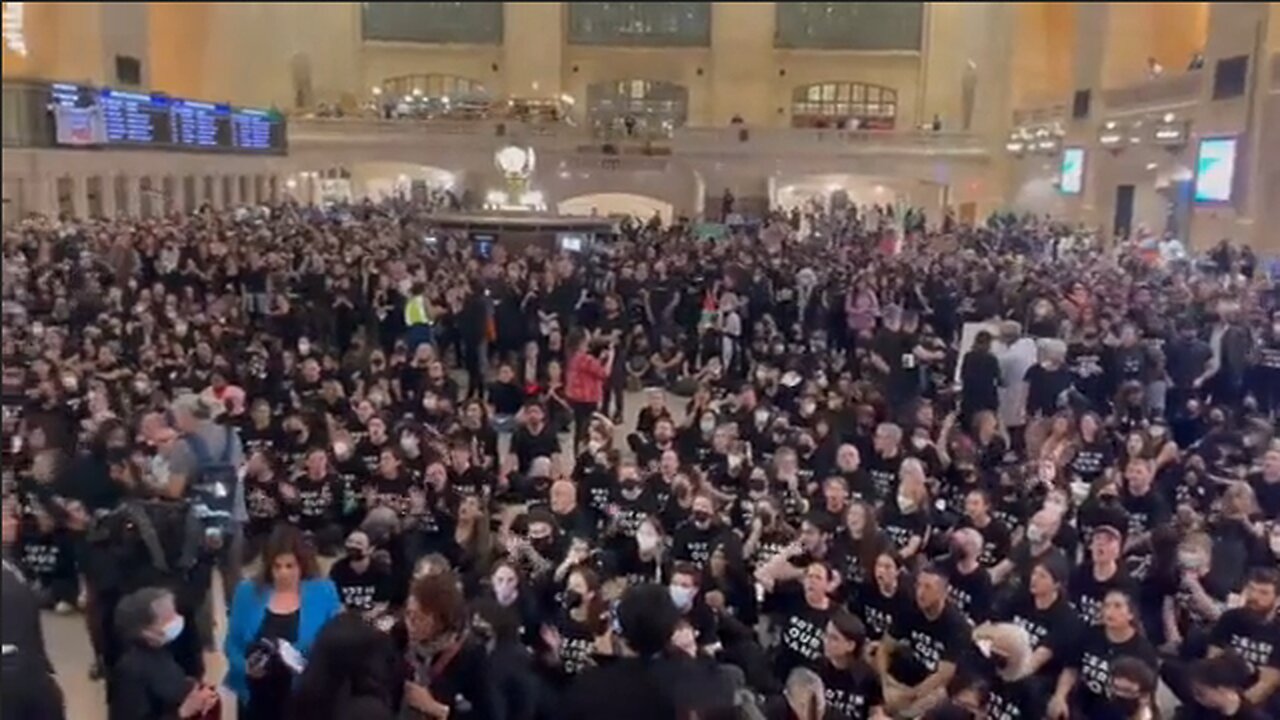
{"x": 319, "y": 602}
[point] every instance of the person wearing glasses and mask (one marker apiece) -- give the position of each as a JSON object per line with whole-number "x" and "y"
{"x": 147, "y": 682}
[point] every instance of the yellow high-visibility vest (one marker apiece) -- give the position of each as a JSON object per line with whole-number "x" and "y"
{"x": 415, "y": 312}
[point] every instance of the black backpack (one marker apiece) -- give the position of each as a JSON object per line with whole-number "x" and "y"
{"x": 213, "y": 489}
{"x": 155, "y": 543}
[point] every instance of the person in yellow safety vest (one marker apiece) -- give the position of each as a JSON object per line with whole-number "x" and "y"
{"x": 417, "y": 318}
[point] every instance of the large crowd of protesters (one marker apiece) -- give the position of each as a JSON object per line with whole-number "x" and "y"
{"x": 953, "y": 472}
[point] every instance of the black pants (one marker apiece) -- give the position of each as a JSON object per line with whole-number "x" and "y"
{"x": 471, "y": 364}
{"x": 582, "y": 414}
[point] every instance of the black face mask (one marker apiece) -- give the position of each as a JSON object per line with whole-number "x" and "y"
{"x": 571, "y": 599}
{"x": 759, "y": 486}
{"x": 357, "y": 555}
{"x": 1121, "y": 708}
{"x": 543, "y": 545}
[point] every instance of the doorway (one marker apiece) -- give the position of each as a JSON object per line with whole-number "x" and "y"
{"x": 1124, "y": 212}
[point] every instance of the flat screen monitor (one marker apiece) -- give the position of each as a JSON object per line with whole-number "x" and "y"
{"x": 571, "y": 242}
{"x": 1072, "y": 170}
{"x": 1215, "y": 169}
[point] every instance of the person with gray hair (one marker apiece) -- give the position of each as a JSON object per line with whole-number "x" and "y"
{"x": 1018, "y": 356}
{"x": 1049, "y": 380}
{"x": 148, "y": 683}
{"x": 804, "y": 695}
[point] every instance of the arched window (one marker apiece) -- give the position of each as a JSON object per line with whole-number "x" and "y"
{"x": 645, "y": 108}
{"x": 849, "y": 105}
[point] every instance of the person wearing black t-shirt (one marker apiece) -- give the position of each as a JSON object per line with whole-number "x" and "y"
{"x": 506, "y": 397}
{"x": 314, "y": 500}
{"x": 1266, "y": 485}
{"x": 1095, "y": 452}
{"x": 533, "y": 438}
{"x": 883, "y": 597}
{"x": 465, "y": 478}
{"x": 1048, "y": 380}
{"x": 907, "y": 518}
{"x": 390, "y": 486}
{"x": 1147, "y": 509}
{"x": 1087, "y": 361}
{"x": 1253, "y": 633}
{"x": 692, "y": 541}
{"x": 923, "y": 649}
{"x": 1085, "y": 682}
{"x": 885, "y": 461}
{"x": 1101, "y": 573}
{"x": 970, "y": 584}
{"x": 1036, "y": 546}
{"x": 804, "y": 608}
{"x": 850, "y": 684}
{"x": 364, "y": 585}
{"x": 632, "y": 502}
{"x": 1052, "y": 626}
{"x": 995, "y": 536}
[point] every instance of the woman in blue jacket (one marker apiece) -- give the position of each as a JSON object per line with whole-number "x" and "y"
{"x": 284, "y": 607}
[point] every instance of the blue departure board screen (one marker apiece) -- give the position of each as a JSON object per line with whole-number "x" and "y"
{"x": 158, "y": 121}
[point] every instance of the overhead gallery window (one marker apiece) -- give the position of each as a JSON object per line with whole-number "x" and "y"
{"x": 845, "y": 105}
{"x": 646, "y": 108}
{"x": 850, "y": 25}
{"x": 432, "y": 22}
{"x": 635, "y": 23}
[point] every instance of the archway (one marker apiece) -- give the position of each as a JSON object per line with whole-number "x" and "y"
{"x": 607, "y": 204}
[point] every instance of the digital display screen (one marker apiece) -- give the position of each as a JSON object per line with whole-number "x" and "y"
{"x": 1072, "y": 170}
{"x": 123, "y": 118}
{"x": 1215, "y": 169}
{"x": 572, "y": 242}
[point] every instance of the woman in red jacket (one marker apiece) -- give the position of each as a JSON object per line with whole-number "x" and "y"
{"x": 588, "y": 371}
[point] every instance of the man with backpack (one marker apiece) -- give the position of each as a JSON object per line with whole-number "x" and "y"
{"x": 205, "y": 466}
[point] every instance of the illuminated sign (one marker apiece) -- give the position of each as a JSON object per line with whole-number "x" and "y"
{"x": 1215, "y": 169}
{"x": 1072, "y": 171}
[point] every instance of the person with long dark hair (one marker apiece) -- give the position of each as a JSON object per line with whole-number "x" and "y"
{"x": 351, "y": 674}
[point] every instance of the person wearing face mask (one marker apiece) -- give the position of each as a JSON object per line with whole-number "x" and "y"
{"x": 908, "y": 521}
{"x": 364, "y": 583}
{"x": 569, "y": 640}
{"x": 970, "y": 584}
{"x": 147, "y": 683}
{"x": 685, "y": 589}
{"x": 693, "y": 540}
{"x": 1100, "y": 665}
{"x": 1194, "y": 599}
{"x": 633, "y": 501}
{"x": 1036, "y": 546}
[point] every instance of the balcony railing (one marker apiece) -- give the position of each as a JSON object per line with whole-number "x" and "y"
{"x": 684, "y": 141}
{"x": 1040, "y": 115}
{"x": 1168, "y": 91}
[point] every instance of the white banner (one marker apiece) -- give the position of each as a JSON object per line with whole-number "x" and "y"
{"x": 78, "y": 126}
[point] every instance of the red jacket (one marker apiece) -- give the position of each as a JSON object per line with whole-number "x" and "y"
{"x": 585, "y": 379}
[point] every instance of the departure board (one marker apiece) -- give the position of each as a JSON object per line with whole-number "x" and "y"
{"x": 125, "y": 118}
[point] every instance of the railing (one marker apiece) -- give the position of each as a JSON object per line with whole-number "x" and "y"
{"x": 782, "y": 140}
{"x": 1156, "y": 93}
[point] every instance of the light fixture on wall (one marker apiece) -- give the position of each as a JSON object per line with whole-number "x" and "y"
{"x": 15, "y": 27}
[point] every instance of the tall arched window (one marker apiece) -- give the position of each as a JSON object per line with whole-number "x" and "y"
{"x": 849, "y": 105}
{"x": 646, "y": 108}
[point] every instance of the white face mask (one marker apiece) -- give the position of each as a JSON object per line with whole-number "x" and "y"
{"x": 174, "y": 628}
{"x": 682, "y": 596}
{"x": 341, "y": 450}
{"x": 906, "y": 503}
{"x": 409, "y": 443}
{"x": 1034, "y": 534}
{"x": 707, "y": 426}
{"x": 646, "y": 541}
